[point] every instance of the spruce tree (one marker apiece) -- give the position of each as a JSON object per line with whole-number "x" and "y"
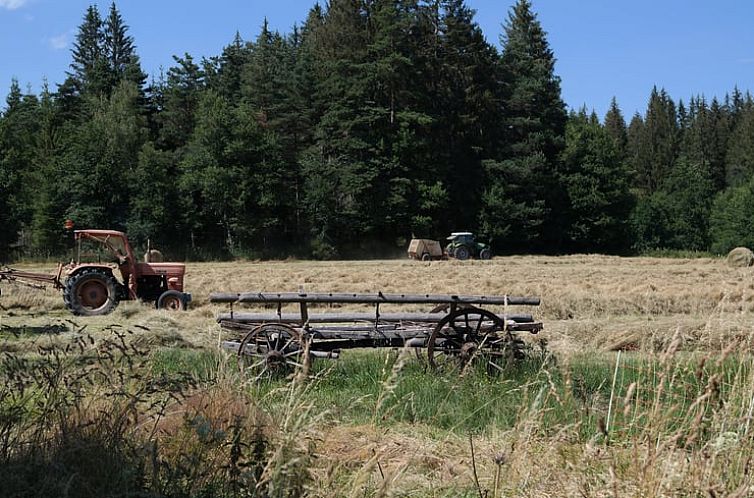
{"x": 48, "y": 200}
{"x": 340, "y": 168}
{"x": 98, "y": 158}
{"x": 467, "y": 127}
{"x": 704, "y": 139}
{"x": 521, "y": 197}
{"x": 231, "y": 180}
{"x": 123, "y": 62}
{"x": 656, "y": 148}
{"x": 155, "y": 212}
{"x": 224, "y": 73}
{"x": 181, "y": 94}
{"x": 89, "y": 69}
{"x": 740, "y": 154}
{"x": 19, "y": 130}
{"x": 615, "y": 126}
{"x": 597, "y": 184}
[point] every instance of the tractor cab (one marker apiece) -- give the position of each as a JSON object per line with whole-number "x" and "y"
{"x": 462, "y": 238}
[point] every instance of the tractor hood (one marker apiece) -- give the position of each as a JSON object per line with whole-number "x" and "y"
{"x": 170, "y": 269}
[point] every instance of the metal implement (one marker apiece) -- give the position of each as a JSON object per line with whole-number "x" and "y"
{"x": 32, "y": 279}
{"x": 455, "y": 334}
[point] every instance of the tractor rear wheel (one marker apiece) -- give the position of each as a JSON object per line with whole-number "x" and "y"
{"x": 462, "y": 253}
{"x": 91, "y": 292}
{"x": 172, "y": 300}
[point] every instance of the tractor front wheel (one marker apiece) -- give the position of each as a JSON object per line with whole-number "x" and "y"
{"x": 172, "y": 300}
{"x": 485, "y": 253}
{"x": 91, "y": 292}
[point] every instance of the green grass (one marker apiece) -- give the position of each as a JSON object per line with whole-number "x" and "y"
{"x": 363, "y": 387}
{"x": 201, "y": 364}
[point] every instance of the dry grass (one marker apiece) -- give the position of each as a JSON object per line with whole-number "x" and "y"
{"x": 661, "y": 308}
{"x": 587, "y": 301}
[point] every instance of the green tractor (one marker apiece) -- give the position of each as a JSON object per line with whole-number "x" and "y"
{"x": 463, "y": 245}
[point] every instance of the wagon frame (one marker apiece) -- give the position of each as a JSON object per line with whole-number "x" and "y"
{"x": 456, "y": 332}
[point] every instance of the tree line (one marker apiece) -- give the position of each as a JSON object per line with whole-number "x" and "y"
{"x": 373, "y": 121}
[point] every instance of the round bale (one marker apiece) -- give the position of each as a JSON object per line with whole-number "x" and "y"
{"x": 740, "y": 257}
{"x": 153, "y": 256}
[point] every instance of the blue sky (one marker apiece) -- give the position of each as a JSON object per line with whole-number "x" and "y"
{"x": 604, "y": 48}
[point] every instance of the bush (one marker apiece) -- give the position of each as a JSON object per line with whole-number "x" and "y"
{"x": 731, "y": 223}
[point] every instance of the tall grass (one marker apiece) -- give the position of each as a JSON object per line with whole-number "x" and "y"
{"x": 103, "y": 418}
{"x": 97, "y": 418}
{"x": 161, "y": 412}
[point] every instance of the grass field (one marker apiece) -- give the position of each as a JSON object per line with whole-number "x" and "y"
{"x": 652, "y": 393}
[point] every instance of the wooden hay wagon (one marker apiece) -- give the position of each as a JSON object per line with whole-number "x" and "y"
{"x": 456, "y": 332}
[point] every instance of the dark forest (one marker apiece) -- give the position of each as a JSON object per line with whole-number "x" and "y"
{"x": 371, "y": 122}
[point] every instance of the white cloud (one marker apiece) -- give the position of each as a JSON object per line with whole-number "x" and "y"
{"x": 12, "y": 4}
{"x": 58, "y": 42}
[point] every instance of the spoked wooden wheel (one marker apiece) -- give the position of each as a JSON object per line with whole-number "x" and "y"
{"x": 269, "y": 349}
{"x": 466, "y": 336}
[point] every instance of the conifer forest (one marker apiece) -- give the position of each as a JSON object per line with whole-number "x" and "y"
{"x": 370, "y": 122}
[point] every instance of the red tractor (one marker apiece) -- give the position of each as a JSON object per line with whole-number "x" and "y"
{"x": 92, "y": 288}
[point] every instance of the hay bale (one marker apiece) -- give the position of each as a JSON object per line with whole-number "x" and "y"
{"x": 153, "y": 256}
{"x": 740, "y": 257}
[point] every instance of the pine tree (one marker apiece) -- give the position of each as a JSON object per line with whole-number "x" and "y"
{"x": 467, "y": 126}
{"x": 224, "y": 73}
{"x": 19, "y": 128}
{"x": 740, "y": 154}
{"x": 533, "y": 117}
{"x": 615, "y": 126}
{"x": 89, "y": 69}
{"x": 656, "y": 148}
{"x": 597, "y": 184}
{"x": 181, "y": 94}
{"x": 123, "y": 63}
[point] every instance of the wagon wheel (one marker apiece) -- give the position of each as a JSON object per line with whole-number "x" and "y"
{"x": 271, "y": 348}
{"x": 467, "y": 335}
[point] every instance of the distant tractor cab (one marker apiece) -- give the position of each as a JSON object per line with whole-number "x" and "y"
{"x": 463, "y": 245}
{"x": 91, "y": 287}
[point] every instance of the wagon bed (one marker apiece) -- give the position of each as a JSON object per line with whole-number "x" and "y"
{"x": 457, "y": 327}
